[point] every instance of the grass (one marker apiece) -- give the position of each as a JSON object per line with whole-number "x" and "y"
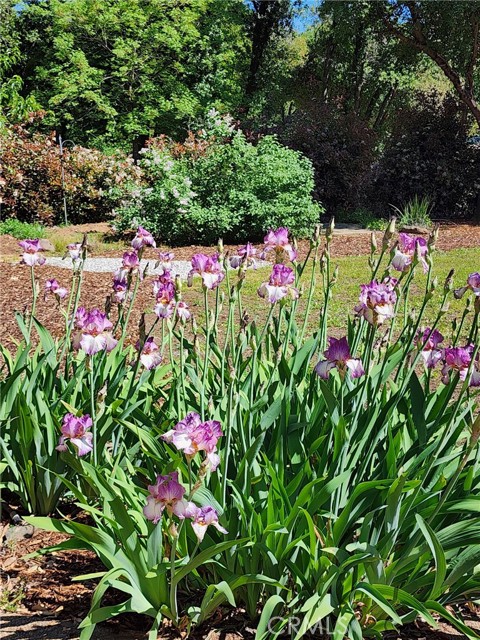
{"x": 11, "y": 599}
{"x": 354, "y": 271}
{"x": 60, "y": 238}
{"x": 22, "y": 230}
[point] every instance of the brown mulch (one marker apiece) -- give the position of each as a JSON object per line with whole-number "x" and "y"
{"x": 15, "y": 295}
{"x": 345, "y": 243}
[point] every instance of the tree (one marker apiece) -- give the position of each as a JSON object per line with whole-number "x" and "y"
{"x": 269, "y": 18}
{"x": 15, "y": 106}
{"x": 448, "y": 33}
{"x": 111, "y": 70}
{"x": 349, "y": 64}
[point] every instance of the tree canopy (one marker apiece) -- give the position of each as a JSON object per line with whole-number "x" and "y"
{"x": 109, "y": 71}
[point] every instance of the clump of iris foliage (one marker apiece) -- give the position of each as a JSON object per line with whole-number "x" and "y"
{"x": 331, "y": 480}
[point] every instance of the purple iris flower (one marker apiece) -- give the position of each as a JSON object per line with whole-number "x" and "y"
{"x": 279, "y": 284}
{"x": 52, "y": 286}
{"x": 150, "y": 355}
{"x": 458, "y": 359}
{"x": 338, "y": 356}
{"x": 473, "y": 284}
{"x": 377, "y": 301}
{"x": 165, "y": 260}
{"x": 245, "y": 256}
{"x": 31, "y": 255}
{"x": 143, "y": 239}
{"x": 429, "y": 340}
{"x": 120, "y": 285}
{"x": 204, "y": 517}
{"x": 93, "y": 332}
{"x": 75, "y": 252}
{"x": 209, "y": 268}
{"x": 130, "y": 260}
{"x": 405, "y": 253}
{"x": 191, "y": 435}
{"x": 278, "y": 242}
{"x": 183, "y": 312}
{"x": 76, "y": 430}
{"x": 167, "y": 493}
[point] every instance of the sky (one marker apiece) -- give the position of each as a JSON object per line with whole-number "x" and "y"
{"x": 303, "y": 21}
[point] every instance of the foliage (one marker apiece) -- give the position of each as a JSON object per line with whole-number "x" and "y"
{"x": 341, "y": 149}
{"x": 449, "y": 37}
{"x": 415, "y": 213}
{"x": 22, "y": 230}
{"x": 216, "y": 185}
{"x": 111, "y": 71}
{"x": 31, "y": 179}
{"x": 354, "y": 513}
{"x": 429, "y": 157}
{"x": 144, "y": 565}
{"x": 364, "y": 217}
{"x": 349, "y": 64}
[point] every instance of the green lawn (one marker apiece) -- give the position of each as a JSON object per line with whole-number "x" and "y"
{"x": 354, "y": 271}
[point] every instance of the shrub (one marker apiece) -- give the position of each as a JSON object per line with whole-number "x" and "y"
{"x": 31, "y": 179}
{"x": 218, "y": 185}
{"x": 364, "y": 217}
{"x": 429, "y": 156}
{"x": 341, "y": 148}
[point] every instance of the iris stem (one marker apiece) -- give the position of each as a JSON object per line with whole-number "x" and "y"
{"x": 34, "y": 303}
{"x": 92, "y": 411}
{"x": 129, "y": 311}
{"x": 173, "y": 588}
{"x": 207, "y": 348}
{"x": 227, "y": 446}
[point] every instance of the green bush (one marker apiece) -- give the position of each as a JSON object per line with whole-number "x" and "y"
{"x": 363, "y": 217}
{"x": 221, "y": 186}
{"x": 22, "y": 230}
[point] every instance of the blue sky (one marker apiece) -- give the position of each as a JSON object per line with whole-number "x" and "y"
{"x": 304, "y": 20}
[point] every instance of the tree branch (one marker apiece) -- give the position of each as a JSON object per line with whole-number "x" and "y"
{"x": 421, "y": 44}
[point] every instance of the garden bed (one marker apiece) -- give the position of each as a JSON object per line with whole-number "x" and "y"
{"x": 51, "y": 606}
{"x": 41, "y": 588}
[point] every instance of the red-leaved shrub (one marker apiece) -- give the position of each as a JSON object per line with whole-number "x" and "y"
{"x": 31, "y": 179}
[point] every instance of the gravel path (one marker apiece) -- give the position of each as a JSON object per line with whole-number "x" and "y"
{"x": 109, "y": 265}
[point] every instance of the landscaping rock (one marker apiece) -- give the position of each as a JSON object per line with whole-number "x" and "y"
{"x": 19, "y": 532}
{"x": 47, "y": 245}
{"x": 415, "y": 229}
